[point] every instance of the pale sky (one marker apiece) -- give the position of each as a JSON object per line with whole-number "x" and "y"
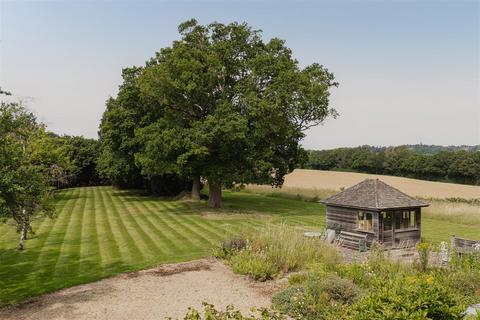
{"x": 408, "y": 71}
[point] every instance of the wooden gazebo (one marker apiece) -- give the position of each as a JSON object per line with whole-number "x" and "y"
{"x": 377, "y": 212}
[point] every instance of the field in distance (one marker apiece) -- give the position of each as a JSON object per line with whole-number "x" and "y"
{"x": 335, "y": 180}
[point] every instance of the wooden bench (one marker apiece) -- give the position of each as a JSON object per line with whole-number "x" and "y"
{"x": 351, "y": 240}
{"x": 461, "y": 245}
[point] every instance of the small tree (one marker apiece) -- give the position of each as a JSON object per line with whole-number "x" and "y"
{"x": 24, "y": 183}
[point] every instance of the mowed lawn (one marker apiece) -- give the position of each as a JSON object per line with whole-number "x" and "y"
{"x": 100, "y": 232}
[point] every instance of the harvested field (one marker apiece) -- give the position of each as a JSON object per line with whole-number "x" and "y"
{"x": 334, "y": 180}
{"x": 166, "y": 291}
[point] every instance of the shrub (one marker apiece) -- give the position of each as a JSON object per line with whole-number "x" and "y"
{"x": 290, "y": 300}
{"x": 317, "y": 298}
{"x": 211, "y": 313}
{"x": 254, "y": 264}
{"x": 230, "y": 246}
{"x": 340, "y": 290}
{"x": 422, "y": 297}
{"x": 465, "y": 283}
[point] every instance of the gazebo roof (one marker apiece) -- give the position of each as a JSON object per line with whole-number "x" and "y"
{"x": 375, "y": 195}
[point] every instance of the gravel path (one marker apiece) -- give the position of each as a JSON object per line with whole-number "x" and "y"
{"x": 165, "y": 291}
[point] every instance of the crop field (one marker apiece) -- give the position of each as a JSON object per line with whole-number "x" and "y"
{"x": 334, "y": 180}
{"x": 100, "y": 232}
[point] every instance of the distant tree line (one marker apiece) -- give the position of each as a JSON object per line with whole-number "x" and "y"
{"x": 432, "y": 149}
{"x": 449, "y": 166}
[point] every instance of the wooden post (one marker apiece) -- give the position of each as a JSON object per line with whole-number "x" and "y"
{"x": 452, "y": 242}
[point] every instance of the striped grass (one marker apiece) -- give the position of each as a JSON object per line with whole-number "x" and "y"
{"x": 100, "y": 232}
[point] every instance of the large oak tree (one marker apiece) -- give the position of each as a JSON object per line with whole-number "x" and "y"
{"x": 233, "y": 108}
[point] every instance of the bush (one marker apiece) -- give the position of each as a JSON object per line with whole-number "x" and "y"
{"x": 230, "y": 246}
{"x": 290, "y": 300}
{"x": 340, "y": 290}
{"x": 317, "y": 298}
{"x": 465, "y": 283}
{"x": 255, "y": 264}
{"x": 210, "y": 313}
{"x": 422, "y": 297}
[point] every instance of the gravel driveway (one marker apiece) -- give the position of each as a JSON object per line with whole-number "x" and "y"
{"x": 165, "y": 291}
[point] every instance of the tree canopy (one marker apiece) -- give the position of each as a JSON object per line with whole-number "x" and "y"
{"x": 219, "y": 103}
{"x": 24, "y": 179}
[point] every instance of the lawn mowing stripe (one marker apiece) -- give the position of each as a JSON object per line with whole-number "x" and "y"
{"x": 168, "y": 246}
{"x": 140, "y": 228}
{"x": 90, "y": 258}
{"x": 163, "y": 215}
{"x": 180, "y": 222}
{"x": 24, "y": 275}
{"x": 185, "y": 222}
{"x": 114, "y": 224}
{"x": 110, "y": 253}
{"x": 48, "y": 254}
{"x": 211, "y": 225}
{"x": 134, "y": 254}
{"x": 69, "y": 260}
{"x": 175, "y": 237}
{"x": 239, "y": 226}
{"x": 212, "y": 232}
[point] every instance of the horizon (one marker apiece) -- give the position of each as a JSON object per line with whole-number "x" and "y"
{"x": 408, "y": 72}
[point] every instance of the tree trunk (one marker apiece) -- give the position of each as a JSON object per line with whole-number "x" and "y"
{"x": 196, "y": 188}
{"x": 214, "y": 195}
{"x": 23, "y": 237}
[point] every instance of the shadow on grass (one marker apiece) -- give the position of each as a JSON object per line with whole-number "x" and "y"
{"x": 233, "y": 203}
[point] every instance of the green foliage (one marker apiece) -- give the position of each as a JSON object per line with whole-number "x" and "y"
{"x": 317, "y": 298}
{"x": 278, "y": 249}
{"x": 458, "y": 166}
{"x": 83, "y": 154}
{"x": 389, "y": 291}
{"x": 339, "y": 289}
{"x": 414, "y": 297}
{"x": 122, "y": 116}
{"x": 211, "y": 313}
{"x": 255, "y": 264}
{"x": 27, "y": 167}
{"x": 230, "y": 246}
{"x": 466, "y": 261}
{"x": 423, "y": 249}
{"x": 465, "y": 282}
